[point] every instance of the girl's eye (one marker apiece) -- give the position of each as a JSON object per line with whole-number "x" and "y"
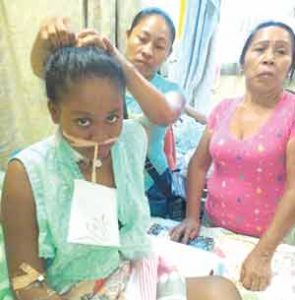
{"x": 112, "y": 119}
{"x": 83, "y": 122}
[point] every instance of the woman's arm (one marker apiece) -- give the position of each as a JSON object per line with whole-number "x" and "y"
{"x": 21, "y": 230}
{"x": 193, "y": 113}
{"x": 161, "y": 109}
{"x": 197, "y": 170}
{"x": 256, "y": 270}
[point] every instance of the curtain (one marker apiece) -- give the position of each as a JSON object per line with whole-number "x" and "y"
{"x": 101, "y": 16}
{"x": 126, "y": 11}
{"x": 195, "y": 65}
{"x": 23, "y": 107}
{"x": 113, "y": 18}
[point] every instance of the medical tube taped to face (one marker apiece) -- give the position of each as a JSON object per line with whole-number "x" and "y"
{"x": 81, "y": 143}
{"x": 93, "y": 218}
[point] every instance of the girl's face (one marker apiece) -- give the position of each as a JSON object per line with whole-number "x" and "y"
{"x": 92, "y": 110}
{"x": 149, "y": 44}
{"x": 268, "y": 59}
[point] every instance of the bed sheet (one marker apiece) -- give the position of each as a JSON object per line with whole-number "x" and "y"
{"x": 233, "y": 248}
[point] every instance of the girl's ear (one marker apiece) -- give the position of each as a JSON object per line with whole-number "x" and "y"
{"x": 54, "y": 110}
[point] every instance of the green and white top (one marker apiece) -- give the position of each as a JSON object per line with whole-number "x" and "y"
{"x": 51, "y": 168}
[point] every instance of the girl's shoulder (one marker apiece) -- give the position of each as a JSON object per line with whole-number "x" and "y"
{"x": 132, "y": 128}
{"x": 36, "y": 150}
{"x": 134, "y": 136}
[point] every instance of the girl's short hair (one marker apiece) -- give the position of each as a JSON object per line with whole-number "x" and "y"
{"x": 69, "y": 65}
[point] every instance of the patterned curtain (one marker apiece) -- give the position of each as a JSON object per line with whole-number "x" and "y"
{"x": 102, "y": 16}
{"x": 126, "y": 10}
{"x": 23, "y": 107}
{"x": 112, "y": 18}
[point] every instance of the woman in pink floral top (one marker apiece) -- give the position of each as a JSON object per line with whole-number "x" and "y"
{"x": 251, "y": 143}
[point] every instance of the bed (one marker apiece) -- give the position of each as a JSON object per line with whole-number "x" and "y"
{"x": 226, "y": 257}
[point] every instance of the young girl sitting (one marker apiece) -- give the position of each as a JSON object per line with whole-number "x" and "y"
{"x": 74, "y": 209}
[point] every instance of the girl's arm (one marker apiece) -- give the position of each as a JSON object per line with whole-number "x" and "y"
{"x": 21, "y": 231}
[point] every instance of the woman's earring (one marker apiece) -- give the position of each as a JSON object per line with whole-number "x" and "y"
{"x": 241, "y": 71}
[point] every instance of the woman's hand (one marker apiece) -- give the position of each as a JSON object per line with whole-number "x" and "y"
{"x": 53, "y": 33}
{"x": 56, "y": 33}
{"x": 187, "y": 230}
{"x": 90, "y": 37}
{"x": 256, "y": 271}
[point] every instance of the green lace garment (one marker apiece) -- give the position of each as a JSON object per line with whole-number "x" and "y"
{"x": 51, "y": 168}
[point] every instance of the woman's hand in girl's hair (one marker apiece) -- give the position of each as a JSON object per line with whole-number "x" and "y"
{"x": 53, "y": 33}
{"x": 56, "y": 33}
{"x": 90, "y": 37}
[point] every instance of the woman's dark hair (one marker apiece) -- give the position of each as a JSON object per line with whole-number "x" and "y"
{"x": 265, "y": 25}
{"x": 69, "y": 65}
{"x": 150, "y": 11}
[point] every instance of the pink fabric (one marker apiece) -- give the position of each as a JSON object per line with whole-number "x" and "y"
{"x": 169, "y": 148}
{"x": 249, "y": 176}
{"x": 157, "y": 267}
{"x": 146, "y": 274}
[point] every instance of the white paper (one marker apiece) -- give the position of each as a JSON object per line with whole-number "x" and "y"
{"x": 94, "y": 219}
